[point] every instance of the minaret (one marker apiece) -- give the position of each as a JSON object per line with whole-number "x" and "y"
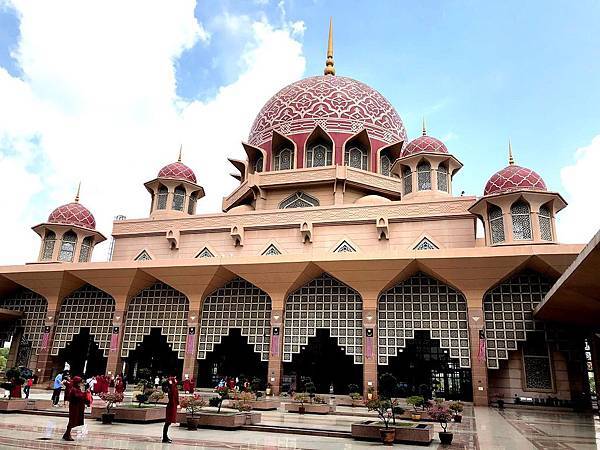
{"x": 424, "y": 130}
{"x": 329, "y": 69}
{"x": 511, "y": 160}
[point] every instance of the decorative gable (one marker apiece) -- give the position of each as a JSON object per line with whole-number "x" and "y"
{"x": 143, "y": 256}
{"x": 205, "y": 253}
{"x": 271, "y": 250}
{"x": 425, "y": 244}
{"x": 344, "y": 247}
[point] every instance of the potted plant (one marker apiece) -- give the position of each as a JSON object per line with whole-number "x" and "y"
{"x": 354, "y": 393}
{"x": 370, "y": 393}
{"x": 415, "y": 401}
{"x": 223, "y": 393}
{"x": 311, "y": 389}
{"x": 156, "y": 397}
{"x": 456, "y": 408}
{"x": 383, "y": 408}
{"x": 141, "y": 398}
{"x": 301, "y": 397}
{"x": 192, "y": 405}
{"x": 111, "y": 399}
{"x": 269, "y": 389}
{"x": 442, "y": 415}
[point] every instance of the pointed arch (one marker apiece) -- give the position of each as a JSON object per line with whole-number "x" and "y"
{"x": 425, "y": 244}
{"x": 520, "y": 213}
{"x": 271, "y": 250}
{"x": 48, "y": 245}
{"x": 424, "y": 175}
{"x": 422, "y": 302}
{"x": 238, "y": 304}
{"x": 357, "y": 151}
{"x": 323, "y": 303}
{"x": 319, "y": 149}
{"x": 283, "y": 151}
{"x": 299, "y": 200}
{"x": 67, "y": 246}
{"x": 345, "y": 246}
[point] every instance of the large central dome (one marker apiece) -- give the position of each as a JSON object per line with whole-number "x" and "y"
{"x": 336, "y": 104}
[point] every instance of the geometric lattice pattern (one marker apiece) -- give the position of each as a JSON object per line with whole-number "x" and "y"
{"x": 324, "y": 303}
{"x": 177, "y": 171}
{"x": 521, "y": 220}
{"x": 545, "y": 219}
{"x": 514, "y": 178}
{"x": 344, "y": 247}
{"x": 424, "y": 144}
{"x": 425, "y": 244}
{"x": 205, "y": 253}
{"x": 496, "y": 224}
{"x": 508, "y": 312}
{"x": 536, "y": 363}
{"x": 159, "y": 306}
{"x": 238, "y": 304}
{"x": 143, "y": 256}
{"x": 299, "y": 200}
{"x": 34, "y": 308}
{"x": 423, "y": 303}
{"x": 87, "y": 307}
{"x": 271, "y": 250}
{"x": 73, "y": 214}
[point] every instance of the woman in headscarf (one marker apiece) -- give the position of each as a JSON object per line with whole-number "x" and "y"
{"x": 171, "y": 411}
{"x": 119, "y": 385}
{"x": 77, "y": 402}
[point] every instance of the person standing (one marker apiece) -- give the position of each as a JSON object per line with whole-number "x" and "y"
{"x": 119, "y": 385}
{"x": 171, "y": 410}
{"x": 57, "y": 388}
{"x": 27, "y": 387}
{"x": 156, "y": 382}
{"x": 77, "y": 401}
{"x": 68, "y": 383}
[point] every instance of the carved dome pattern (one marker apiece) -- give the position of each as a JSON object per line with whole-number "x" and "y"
{"x": 177, "y": 171}
{"x": 424, "y": 144}
{"x": 514, "y": 178}
{"x": 337, "y": 104}
{"x": 73, "y": 214}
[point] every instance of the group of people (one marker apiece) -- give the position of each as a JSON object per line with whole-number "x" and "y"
{"x": 234, "y": 384}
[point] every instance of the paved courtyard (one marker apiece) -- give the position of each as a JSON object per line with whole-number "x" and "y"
{"x": 482, "y": 428}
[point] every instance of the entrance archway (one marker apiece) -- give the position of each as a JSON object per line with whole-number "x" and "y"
{"x": 155, "y": 354}
{"x": 83, "y": 355}
{"x": 423, "y": 368}
{"x": 233, "y": 357}
{"x": 324, "y": 362}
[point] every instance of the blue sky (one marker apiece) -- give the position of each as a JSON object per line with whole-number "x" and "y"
{"x": 479, "y": 72}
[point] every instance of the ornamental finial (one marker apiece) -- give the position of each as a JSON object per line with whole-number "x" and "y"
{"x": 511, "y": 160}
{"x": 77, "y": 194}
{"x": 180, "y": 150}
{"x": 424, "y": 130}
{"x": 329, "y": 69}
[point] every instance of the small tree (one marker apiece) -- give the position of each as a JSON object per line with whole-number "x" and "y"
{"x": 354, "y": 391}
{"x": 156, "y": 396}
{"x": 442, "y": 415}
{"x": 456, "y": 407}
{"x": 141, "y": 398}
{"x": 301, "y": 397}
{"x": 388, "y": 385}
{"x": 243, "y": 401}
{"x": 415, "y": 401}
{"x": 223, "y": 393}
{"x": 111, "y": 399}
{"x": 193, "y": 404}
{"x": 383, "y": 408}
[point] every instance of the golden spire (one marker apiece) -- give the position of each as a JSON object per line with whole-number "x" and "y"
{"x": 329, "y": 69}
{"x": 77, "y": 195}
{"x": 180, "y": 150}
{"x": 424, "y": 130}
{"x": 511, "y": 160}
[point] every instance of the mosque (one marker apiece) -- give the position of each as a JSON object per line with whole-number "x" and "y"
{"x": 343, "y": 254}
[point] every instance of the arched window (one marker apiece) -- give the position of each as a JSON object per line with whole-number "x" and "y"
{"x": 67, "y": 247}
{"x": 258, "y": 165}
{"x": 86, "y": 249}
{"x": 545, "y": 216}
{"x": 163, "y": 192}
{"x": 385, "y": 165}
{"x": 442, "y": 178}
{"x": 496, "y": 224}
{"x": 521, "y": 221}
{"x": 356, "y": 157}
{"x": 319, "y": 155}
{"x": 178, "y": 198}
{"x": 299, "y": 200}
{"x": 48, "y": 247}
{"x": 407, "y": 180}
{"x": 424, "y": 176}
{"x": 282, "y": 160}
{"x": 192, "y": 204}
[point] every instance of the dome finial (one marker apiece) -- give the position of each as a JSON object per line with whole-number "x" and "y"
{"x": 78, "y": 191}
{"x": 511, "y": 160}
{"x": 329, "y": 69}
{"x": 180, "y": 150}
{"x": 424, "y": 130}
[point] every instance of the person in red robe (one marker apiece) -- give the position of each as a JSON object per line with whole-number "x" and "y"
{"x": 171, "y": 410}
{"x": 77, "y": 402}
{"x": 186, "y": 385}
{"x": 119, "y": 385}
{"x": 68, "y": 385}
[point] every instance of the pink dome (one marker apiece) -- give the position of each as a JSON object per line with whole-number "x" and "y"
{"x": 514, "y": 178}
{"x": 424, "y": 144}
{"x": 337, "y": 104}
{"x": 177, "y": 171}
{"x": 73, "y": 214}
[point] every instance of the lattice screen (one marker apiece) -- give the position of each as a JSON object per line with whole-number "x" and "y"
{"x": 324, "y": 303}
{"x": 159, "y": 306}
{"x": 87, "y": 307}
{"x": 34, "y": 308}
{"x": 423, "y": 303}
{"x": 238, "y": 304}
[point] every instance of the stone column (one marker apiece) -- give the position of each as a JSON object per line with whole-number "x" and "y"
{"x": 369, "y": 349}
{"x": 275, "y": 369}
{"x": 190, "y": 361}
{"x": 15, "y": 342}
{"x": 45, "y": 363}
{"x": 479, "y": 372}
{"x": 114, "y": 365}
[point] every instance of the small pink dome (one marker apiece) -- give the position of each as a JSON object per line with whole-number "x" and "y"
{"x": 177, "y": 171}
{"x": 514, "y": 178}
{"x": 424, "y": 144}
{"x": 73, "y": 214}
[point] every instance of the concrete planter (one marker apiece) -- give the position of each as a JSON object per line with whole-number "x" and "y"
{"x": 310, "y": 408}
{"x": 17, "y": 404}
{"x": 347, "y": 401}
{"x": 265, "y": 405}
{"x": 409, "y": 433}
{"x": 223, "y": 420}
{"x": 133, "y": 414}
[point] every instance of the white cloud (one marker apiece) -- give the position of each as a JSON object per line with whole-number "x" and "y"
{"x": 97, "y": 102}
{"x": 580, "y": 220}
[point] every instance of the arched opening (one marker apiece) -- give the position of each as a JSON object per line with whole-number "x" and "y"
{"x": 220, "y": 363}
{"x": 323, "y": 362}
{"x": 48, "y": 246}
{"x": 86, "y": 249}
{"x": 496, "y": 224}
{"x": 385, "y": 163}
{"x": 283, "y": 159}
{"x": 521, "y": 220}
{"x": 319, "y": 149}
{"x": 67, "y": 247}
{"x": 423, "y": 368}
{"x": 259, "y": 164}
{"x": 192, "y": 203}
{"x": 83, "y": 355}
{"x": 545, "y": 219}
{"x": 356, "y": 157}
{"x": 424, "y": 176}
{"x": 178, "y": 198}
{"x": 163, "y": 193}
{"x": 155, "y": 354}
{"x": 407, "y": 180}
{"x": 442, "y": 178}
{"x": 299, "y": 200}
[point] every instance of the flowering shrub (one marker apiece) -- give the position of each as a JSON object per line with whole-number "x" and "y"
{"x": 442, "y": 415}
{"x": 320, "y": 400}
{"x": 193, "y": 404}
{"x": 223, "y": 393}
{"x": 456, "y": 407}
{"x": 383, "y": 408}
{"x": 156, "y": 396}
{"x": 111, "y": 398}
{"x": 301, "y": 397}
